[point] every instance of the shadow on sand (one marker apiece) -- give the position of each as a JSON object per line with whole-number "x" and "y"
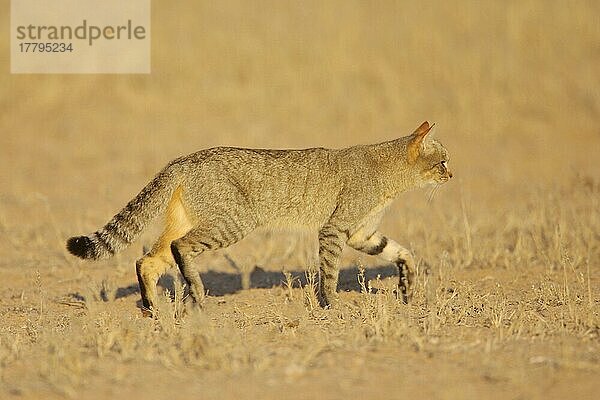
{"x": 223, "y": 283}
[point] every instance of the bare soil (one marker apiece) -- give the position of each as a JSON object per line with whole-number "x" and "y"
{"x": 507, "y": 301}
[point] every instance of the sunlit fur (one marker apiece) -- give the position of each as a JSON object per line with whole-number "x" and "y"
{"x": 215, "y": 197}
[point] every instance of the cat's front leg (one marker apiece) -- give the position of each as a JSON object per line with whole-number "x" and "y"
{"x": 377, "y": 244}
{"x": 331, "y": 242}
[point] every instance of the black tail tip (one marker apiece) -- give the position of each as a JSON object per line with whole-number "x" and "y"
{"x": 81, "y": 246}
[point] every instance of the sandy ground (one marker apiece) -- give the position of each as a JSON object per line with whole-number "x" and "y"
{"x": 507, "y": 303}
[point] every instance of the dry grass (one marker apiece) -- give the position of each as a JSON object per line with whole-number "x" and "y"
{"x": 507, "y": 302}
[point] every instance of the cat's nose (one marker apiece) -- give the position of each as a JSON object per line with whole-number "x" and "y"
{"x": 449, "y": 174}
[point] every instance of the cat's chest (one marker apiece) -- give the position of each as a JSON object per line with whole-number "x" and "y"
{"x": 371, "y": 219}
{"x": 381, "y": 207}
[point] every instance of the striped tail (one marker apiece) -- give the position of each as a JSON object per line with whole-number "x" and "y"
{"x": 127, "y": 225}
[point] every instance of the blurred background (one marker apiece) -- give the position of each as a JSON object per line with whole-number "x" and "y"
{"x": 513, "y": 87}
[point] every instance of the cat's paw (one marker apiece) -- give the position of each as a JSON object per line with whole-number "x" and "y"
{"x": 329, "y": 301}
{"x": 190, "y": 303}
{"x": 147, "y": 312}
{"x": 406, "y": 281}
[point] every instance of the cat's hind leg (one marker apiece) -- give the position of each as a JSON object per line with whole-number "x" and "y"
{"x": 148, "y": 269}
{"x": 220, "y": 233}
{"x": 159, "y": 260}
{"x": 377, "y": 244}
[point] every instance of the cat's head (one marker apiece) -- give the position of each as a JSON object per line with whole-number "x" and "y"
{"x": 428, "y": 156}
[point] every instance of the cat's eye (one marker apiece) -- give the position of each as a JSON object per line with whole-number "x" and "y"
{"x": 443, "y": 164}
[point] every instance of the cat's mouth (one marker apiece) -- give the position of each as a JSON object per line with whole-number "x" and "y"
{"x": 444, "y": 178}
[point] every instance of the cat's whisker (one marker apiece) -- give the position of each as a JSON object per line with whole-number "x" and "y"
{"x": 432, "y": 193}
{"x": 437, "y": 187}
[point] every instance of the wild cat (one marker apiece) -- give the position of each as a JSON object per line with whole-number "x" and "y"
{"x": 215, "y": 197}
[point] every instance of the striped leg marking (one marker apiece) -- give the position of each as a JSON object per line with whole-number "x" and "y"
{"x": 183, "y": 256}
{"x": 331, "y": 242}
{"x": 379, "y": 245}
{"x": 225, "y": 232}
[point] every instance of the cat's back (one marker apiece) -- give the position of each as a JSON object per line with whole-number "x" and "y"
{"x": 284, "y": 187}
{"x": 256, "y": 162}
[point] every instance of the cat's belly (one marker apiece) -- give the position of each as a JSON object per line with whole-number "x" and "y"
{"x": 310, "y": 216}
{"x": 293, "y": 224}
{"x": 296, "y": 220}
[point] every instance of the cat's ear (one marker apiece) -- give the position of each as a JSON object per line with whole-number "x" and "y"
{"x": 415, "y": 145}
